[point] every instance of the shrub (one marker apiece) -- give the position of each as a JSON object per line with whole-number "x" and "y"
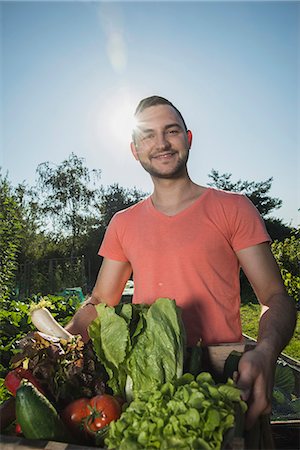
{"x": 287, "y": 255}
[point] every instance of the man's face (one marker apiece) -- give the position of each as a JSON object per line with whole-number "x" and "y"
{"x": 161, "y": 142}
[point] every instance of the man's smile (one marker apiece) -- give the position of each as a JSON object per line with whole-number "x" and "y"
{"x": 164, "y": 155}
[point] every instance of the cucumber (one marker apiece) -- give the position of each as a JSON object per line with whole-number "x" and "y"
{"x": 37, "y": 416}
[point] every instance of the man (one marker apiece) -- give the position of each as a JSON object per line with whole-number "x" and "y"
{"x": 188, "y": 242}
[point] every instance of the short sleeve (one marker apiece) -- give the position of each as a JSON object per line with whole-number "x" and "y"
{"x": 111, "y": 246}
{"x": 248, "y": 226}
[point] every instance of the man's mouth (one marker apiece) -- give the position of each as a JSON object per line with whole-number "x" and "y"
{"x": 164, "y": 155}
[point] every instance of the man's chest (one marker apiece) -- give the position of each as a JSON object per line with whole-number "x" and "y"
{"x": 175, "y": 238}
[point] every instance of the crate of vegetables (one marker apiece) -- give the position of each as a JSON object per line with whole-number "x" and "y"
{"x": 134, "y": 385}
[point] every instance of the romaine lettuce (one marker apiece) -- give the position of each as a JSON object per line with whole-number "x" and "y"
{"x": 139, "y": 345}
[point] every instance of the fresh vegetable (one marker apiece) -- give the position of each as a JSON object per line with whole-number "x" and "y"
{"x": 285, "y": 404}
{"x": 74, "y": 415}
{"x": 13, "y": 380}
{"x": 104, "y": 409}
{"x": 37, "y": 417}
{"x": 231, "y": 364}
{"x": 195, "y": 359}
{"x": 284, "y": 377}
{"x": 66, "y": 370}
{"x": 46, "y": 323}
{"x": 87, "y": 417}
{"x": 140, "y": 346}
{"x": 75, "y": 412}
{"x": 187, "y": 413}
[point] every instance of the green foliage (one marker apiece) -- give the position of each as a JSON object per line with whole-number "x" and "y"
{"x": 14, "y": 323}
{"x": 287, "y": 255}
{"x": 10, "y": 237}
{"x": 51, "y": 275}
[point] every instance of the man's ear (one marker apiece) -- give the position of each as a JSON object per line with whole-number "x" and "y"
{"x": 133, "y": 150}
{"x": 190, "y": 137}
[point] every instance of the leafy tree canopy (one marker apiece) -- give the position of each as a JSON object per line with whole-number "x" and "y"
{"x": 68, "y": 195}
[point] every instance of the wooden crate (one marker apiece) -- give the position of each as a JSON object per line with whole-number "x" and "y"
{"x": 214, "y": 358}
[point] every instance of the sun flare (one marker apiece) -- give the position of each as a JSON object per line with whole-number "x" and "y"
{"x": 118, "y": 119}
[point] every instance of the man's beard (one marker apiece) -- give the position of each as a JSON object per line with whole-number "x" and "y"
{"x": 177, "y": 172}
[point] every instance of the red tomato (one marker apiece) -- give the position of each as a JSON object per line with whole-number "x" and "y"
{"x": 75, "y": 414}
{"x": 104, "y": 408}
{"x": 13, "y": 379}
{"x": 18, "y": 429}
{"x": 84, "y": 417}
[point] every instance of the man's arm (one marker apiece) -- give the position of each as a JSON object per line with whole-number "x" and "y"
{"x": 276, "y": 328}
{"x": 111, "y": 280}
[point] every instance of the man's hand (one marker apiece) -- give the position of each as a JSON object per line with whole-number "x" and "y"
{"x": 255, "y": 379}
{"x": 81, "y": 320}
{"x": 276, "y": 328}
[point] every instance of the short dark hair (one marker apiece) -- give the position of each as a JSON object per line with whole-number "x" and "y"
{"x": 155, "y": 100}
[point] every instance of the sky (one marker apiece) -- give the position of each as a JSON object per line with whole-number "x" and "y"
{"x": 73, "y": 72}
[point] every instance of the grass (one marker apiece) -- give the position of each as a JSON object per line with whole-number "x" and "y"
{"x": 250, "y": 316}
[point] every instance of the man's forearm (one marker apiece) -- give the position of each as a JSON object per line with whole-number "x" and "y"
{"x": 83, "y": 317}
{"x": 277, "y": 324}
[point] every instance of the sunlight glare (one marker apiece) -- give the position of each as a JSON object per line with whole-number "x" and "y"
{"x": 119, "y": 119}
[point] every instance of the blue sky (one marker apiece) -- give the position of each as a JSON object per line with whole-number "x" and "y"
{"x": 73, "y": 72}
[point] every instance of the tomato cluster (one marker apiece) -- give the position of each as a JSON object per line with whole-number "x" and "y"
{"x": 89, "y": 416}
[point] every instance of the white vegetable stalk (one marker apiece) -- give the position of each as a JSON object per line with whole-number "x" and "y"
{"x": 45, "y": 323}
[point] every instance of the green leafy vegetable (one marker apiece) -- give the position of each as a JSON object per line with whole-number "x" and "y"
{"x": 284, "y": 377}
{"x": 285, "y": 404}
{"x": 140, "y": 346}
{"x": 186, "y": 413}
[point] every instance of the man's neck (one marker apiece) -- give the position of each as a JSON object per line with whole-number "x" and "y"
{"x": 172, "y": 196}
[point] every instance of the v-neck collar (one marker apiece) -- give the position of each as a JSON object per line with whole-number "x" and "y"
{"x": 180, "y": 213}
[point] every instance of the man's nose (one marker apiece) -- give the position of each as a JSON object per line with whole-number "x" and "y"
{"x": 162, "y": 141}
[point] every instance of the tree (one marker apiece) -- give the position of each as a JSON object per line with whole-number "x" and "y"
{"x": 257, "y": 192}
{"x": 68, "y": 196}
{"x": 10, "y": 237}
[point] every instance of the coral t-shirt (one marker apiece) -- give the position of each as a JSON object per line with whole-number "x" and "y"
{"x": 190, "y": 257}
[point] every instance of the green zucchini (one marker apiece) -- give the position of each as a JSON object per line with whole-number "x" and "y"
{"x": 37, "y": 416}
{"x": 231, "y": 364}
{"x": 195, "y": 363}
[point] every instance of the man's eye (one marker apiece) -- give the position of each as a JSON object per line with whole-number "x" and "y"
{"x": 147, "y": 136}
{"x": 172, "y": 132}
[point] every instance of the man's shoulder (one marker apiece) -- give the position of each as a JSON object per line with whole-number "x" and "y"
{"x": 229, "y": 204}
{"x": 225, "y": 196}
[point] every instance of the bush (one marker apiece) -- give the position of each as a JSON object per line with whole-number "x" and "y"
{"x": 287, "y": 255}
